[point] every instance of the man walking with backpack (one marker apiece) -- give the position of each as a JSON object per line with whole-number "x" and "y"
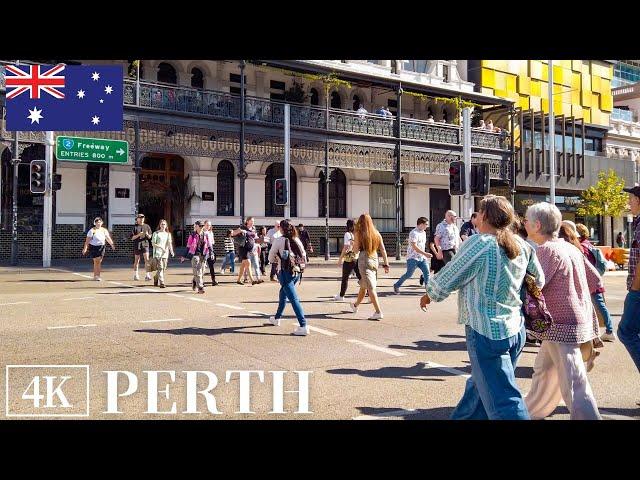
{"x": 290, "y": 254}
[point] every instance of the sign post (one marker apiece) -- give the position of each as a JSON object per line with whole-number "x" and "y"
{"x": 81, "y": 149}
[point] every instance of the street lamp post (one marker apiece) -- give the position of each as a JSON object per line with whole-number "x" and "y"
{"x": 326, "y": 177}
{"x": 398, "y": 178}
{"x": 15, "y": 161}
{"x": 241, "y": 173}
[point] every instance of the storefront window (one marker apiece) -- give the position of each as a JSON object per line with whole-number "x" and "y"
{"x": 382, "y": 201}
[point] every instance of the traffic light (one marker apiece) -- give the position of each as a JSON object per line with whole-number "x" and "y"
{"x": 38, "y": 176}
{"x": 480, "y": 179}
{"x": 56, "y": 183}
{"x": 281, "y": 191}
{"x": 456, "y": 178}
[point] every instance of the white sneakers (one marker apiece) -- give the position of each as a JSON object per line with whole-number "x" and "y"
{"x": 147, "y": 277}
{"x": 97, "y": 278}
{"x": 301, "y": 331}
{"x": 608, "y": 337}
{"x": 274, "y": 321}
{"x": 354, "y": 309}
{"x": 376, "y": 316}
{"x": 136, "y": 276}
{"x": 338, "y": 298}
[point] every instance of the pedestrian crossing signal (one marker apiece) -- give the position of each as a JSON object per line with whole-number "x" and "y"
{"x": 38, "y": 172}
{"x": 456, "y": 178}
{"x": 281, "y": 191}
{"x": 56, "y": 183}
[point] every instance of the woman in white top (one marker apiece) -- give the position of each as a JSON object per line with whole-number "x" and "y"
{"x": 162, "y": 244}
{"x": 348, "y": 259}
{"x": 95, "y": 242}
{"x": 287, "y": 278}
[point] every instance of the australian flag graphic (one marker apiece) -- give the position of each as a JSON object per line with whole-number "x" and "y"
{"x": 64, "y": 97}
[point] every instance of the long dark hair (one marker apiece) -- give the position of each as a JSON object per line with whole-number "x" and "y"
{"x": 291, "y": 232}
{"x": 351, "y": 225}
{"x": 499, "y": 213}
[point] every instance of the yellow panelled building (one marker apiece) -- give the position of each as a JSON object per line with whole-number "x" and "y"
{"x": 581, "y": 88}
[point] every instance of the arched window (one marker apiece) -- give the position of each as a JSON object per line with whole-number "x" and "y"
{"x": 336, "y": 101}
{"x": 226, "y": 188}
{"x": 315, "y": 98}
{"x": 337, "y": 194}
{"x": 197, "y": 78}
{"x": 167, "y": 74}
{"x": 356, "y": 102}
{"x": 275, "y": 171}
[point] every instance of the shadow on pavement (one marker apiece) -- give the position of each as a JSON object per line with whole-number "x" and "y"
{"x": 209, "y": 331}
{"x": 430, "y": 345}
{"x": 408, "y": 373}
{"x": 440, "y": 413}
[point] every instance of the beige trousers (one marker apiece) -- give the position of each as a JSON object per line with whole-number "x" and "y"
{"x": 162, "y": 267}
{"x": 559, "y": 373}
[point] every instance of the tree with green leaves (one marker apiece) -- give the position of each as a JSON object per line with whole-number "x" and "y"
{"x": 605, "y": 198}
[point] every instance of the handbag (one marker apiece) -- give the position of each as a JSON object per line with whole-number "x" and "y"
{"x": 152, "y": 265}
{"x": 537, "y": 318}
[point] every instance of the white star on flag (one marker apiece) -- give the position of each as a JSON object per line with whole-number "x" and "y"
{"x": 95, "y": 76}
{"x": 80, "y": 93}
{"x": 35, "y": 115}
{"x": 95, "y": 120}
{"x": 101, "y": 101}
{"x": 108, "y": 89}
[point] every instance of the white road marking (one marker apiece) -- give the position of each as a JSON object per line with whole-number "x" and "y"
{"x": 13, "y": 303}
{"x": 72, "y": 326}
{"x": 82, "y": 275}
{"x": 121, "y": 284}
{"x": 76, "y": 298}
{"x": 258, "y": 313}
{"x": 376, "y": 347}
{"x": 162, "y": 320}
{"x": 229, "y": 306}
{"x": 444, "y": 368}
{"x": 383, "y": 415}
{"x": 149, "y": 290}
{"x": 197, "y": 299}
{"x": 175, "y": 295}
{"x": 320, "y": 330}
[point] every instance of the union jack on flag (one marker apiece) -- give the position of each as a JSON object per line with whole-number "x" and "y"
{"x": 64, "y": 97}
{"x": 35, "y": 81}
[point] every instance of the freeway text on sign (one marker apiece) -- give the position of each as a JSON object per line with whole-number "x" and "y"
{"x": 81, "y": 149}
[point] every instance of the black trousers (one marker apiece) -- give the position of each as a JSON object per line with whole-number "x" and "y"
{"x": 210, "y": 262}
{"x": 447, "y": 255}
{"x": 347, "y": 268}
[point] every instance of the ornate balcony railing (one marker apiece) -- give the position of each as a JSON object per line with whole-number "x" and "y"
{"x": 429, "y": 131}
{"x": 484, "y": 139}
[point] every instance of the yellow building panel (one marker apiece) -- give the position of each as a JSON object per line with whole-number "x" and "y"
{"x": 535, "y": 69}
{"x": 596, "y": 83}
{"x": 586, "y": 115}
{"x": 566, "y": 109}
{"x": 561, "y": 76}
{"x": 501, "y": 93}
{"x": 535, "y": 88}
{"x": 576, "y": 65}
{"x": 585, "y": 98}
{"x": 511, "y": 83}
{"x": 488, "y": 78}
{"x": 562, "y": 63}
{"x": 576, "y": 111}
{"x": 544, "y": 102}
{"x": 501, "y": 65}
{"x": 586, "y": 67}
{"x": 524, "y": 85}
{"x": 606, "y": 102}
{"x": 487, "y": 91}
{"x": 544, "y": 90}
{"x": 576, "y": 80}
{"x": 600, "y": 69}
{"x": 523, "y": 102}
{"x": 605, "y": 85}
{"x": 597, "y": 116}
{"x": 575, "y": 95}
{"x": 586, "y": 82}
{"x": 500, "y": 82}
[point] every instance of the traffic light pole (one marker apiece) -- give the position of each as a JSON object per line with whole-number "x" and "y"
{"x": 48, "y": 202}
{"x": 466, "y": 156}
{"x": 287, "y": 142}
{"x": 14, "y": 219}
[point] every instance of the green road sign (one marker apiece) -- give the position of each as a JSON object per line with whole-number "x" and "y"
{"x": 81, "y": 149}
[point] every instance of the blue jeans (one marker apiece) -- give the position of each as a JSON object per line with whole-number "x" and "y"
{"x": 598, "y": 302}
{"x": 491, "y": 392}
{"x": 412, "y": 264}
{"x": 629, "y": 326}
{"x": 288, "y": 291}
{"x": 229, "y": 259}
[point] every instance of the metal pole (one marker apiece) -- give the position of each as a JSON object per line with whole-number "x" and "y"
{"x": 398, "y": 179}
{"x": 48, "y": 202}
{"x": 552, "y": 139}
{"x": 138, "y": 83}
{"x": 287, "y": 171}
{"x": 512, "y": 111}
{"x": 327, "y": 256}
{"x": 136, "y": 169}
{"x": 466, "y": 157}
{"x": 241, "y": 173}
{"x": 14, "y": 220}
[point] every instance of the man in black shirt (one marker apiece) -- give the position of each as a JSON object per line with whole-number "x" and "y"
{"x": 469, "y": 228}
{"x": 141, "y": 236}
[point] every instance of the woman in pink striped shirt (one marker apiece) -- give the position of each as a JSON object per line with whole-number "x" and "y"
{"x": 559, "y": 371}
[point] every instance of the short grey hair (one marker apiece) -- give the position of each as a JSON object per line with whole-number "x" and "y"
{"x": 548, "y": 215}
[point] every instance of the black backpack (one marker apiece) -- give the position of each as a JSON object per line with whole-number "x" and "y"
{"x": 290, "y": 262}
